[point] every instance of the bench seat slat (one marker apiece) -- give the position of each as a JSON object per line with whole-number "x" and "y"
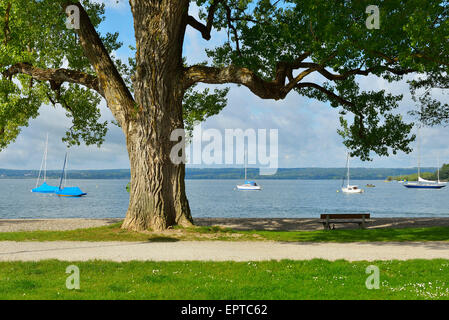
{"x": 345, "y": 216}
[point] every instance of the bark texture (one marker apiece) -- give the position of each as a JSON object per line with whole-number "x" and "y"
{"x": 157, "y": 198}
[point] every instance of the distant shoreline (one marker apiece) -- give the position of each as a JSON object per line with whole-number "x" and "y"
{"x": 229, "y": 173}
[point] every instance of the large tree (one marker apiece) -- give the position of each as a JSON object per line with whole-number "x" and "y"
{"x": 273, "y": 48}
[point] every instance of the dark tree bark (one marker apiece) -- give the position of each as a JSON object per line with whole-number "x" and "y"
{"x": 158, "y": 198}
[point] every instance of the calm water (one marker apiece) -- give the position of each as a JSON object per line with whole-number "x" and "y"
{"x": 218, "y": 198}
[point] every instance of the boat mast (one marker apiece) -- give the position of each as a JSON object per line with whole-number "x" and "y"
{"x": 45, "y": 159}
{"x": 347, "y": 164}
{"x": 438, "y": 167}
{"x": 63, "y": 171}
{"x": 419, "y": 155}
{"x": 245, "y": 162}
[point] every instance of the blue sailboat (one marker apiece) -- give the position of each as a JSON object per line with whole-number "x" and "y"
{"x": 68, "y": 191}
{"x": 44, "y": 187}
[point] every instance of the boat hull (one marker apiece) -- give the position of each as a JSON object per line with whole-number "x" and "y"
{"x": 249, "y": 188}
{"x": 417, "y": 186}
{"x": 349, "y": 190}
{"x": 71, "y": 192}
{"x": 72, "y": 196}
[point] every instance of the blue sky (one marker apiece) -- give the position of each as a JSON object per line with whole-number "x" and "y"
{"x": 307, "y": 128}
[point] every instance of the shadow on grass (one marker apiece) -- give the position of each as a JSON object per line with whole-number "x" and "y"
{"x": 163, "y": 239}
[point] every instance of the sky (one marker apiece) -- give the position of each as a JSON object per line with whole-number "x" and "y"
{"x": 307, "y": 129}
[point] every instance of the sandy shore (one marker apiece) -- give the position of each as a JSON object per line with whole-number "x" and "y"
{"x": 11, "y": 225}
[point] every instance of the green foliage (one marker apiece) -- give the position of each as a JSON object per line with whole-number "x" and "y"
{"x": 37, "y": 35}
{"x": 444, "y": 175}
{"x": 444, "y": 172}
{"x": 431, "y": 112}
{"x": 412, "y": 36}
{"x": 199, "y": 105}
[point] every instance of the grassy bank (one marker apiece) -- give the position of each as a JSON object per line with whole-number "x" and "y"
{"x": 114, "y": 233}
{"x": 314, "y": 279}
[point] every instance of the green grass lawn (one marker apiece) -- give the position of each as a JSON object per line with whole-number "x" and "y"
{"x": 314, "y": 279}
{"x": 114, "y": 233}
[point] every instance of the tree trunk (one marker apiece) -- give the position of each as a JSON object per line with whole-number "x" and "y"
{"x": 157, "y": 196}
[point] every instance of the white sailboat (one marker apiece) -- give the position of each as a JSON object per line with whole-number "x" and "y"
{"x": 44, "y": 187}
{"x": 350, "y": 188}
{"x": 423, "y": 183}
{"x": 248, "y": 185}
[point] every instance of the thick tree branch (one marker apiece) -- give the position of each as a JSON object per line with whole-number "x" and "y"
{"x": 56, "y": 77}
{"x": 116, "y": 93}
{"x": 285, "y": 69}
{"x": 233, "y": 74}
{"x": 344, "y": 76}
{"x": 329, "y": 93}
{"x": 205, "y": 29}
{"x": 278, "y": 89}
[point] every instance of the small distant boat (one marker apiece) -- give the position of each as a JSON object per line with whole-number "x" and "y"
{"x": 349, "y": 188}
{"x": 248, "y": 185}
{"x": 370, "y": 185}
{"x": 68, "y": 191}
{"x": 44, "y": 187}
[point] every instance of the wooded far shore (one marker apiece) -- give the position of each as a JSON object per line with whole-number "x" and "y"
{"x": 230, "y": 173}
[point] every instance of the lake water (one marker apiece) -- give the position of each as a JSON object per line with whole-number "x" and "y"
{"x": 218, "y": 198}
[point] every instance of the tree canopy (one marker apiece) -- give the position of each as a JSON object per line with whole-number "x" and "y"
{"x": 273, "y": 48}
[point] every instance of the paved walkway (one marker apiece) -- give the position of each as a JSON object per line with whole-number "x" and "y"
{"x": 219, "y": 251}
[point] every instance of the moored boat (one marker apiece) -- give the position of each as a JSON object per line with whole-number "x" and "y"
{"x": 350, "y": 188}
{"x": 423, "y": 183}
{"x": 44, "y": 187}
{"x": 249, "y": 185}
{"x": 73, "y": 192}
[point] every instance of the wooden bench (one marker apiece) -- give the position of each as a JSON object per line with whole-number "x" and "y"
{"x": 360, "y": 218}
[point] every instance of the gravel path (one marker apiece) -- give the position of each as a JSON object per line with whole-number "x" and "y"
{"x": 288, "y": 224}
{"x": 11, "y": 225}
{"x": 219, "y": 251}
